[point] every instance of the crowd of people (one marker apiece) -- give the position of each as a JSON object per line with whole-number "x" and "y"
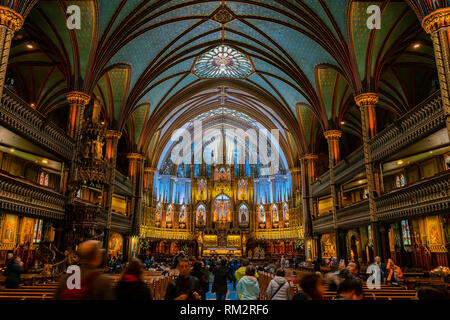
{"x": 196, "y": 278}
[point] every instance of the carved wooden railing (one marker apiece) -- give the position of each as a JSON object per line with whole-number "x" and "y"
{"x": 119, "y": 221}
{"x": 122, "y": 184}
{"x": 24, "y": 197}
{"x": 19, "y": 117}
{"x": 423, "y": 120}
{"x": 428, "y": 196}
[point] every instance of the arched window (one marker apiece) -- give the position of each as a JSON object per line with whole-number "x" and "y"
{"x": 400, "y": 181}
{"x": 41, "y": 178}
{"x": 406, "y": 234}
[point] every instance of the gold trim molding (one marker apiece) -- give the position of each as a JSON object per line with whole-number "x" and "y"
{"x": 113, "y": 134}
{"x": 294, "y": 170}
{"x": 436, "y": 20}
{"x": 149, "y": 170}
{"x": 135, "y": 156}
{"x": 77, "y": 97}
{"x": 309, "y": 156}
{"x": 333, "y": 134}
{"x": 10, "y": 19}
{"x": 366, "y": 99}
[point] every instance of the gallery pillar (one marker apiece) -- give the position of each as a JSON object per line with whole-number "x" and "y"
{"x": 112, "y": 139}
{"x": 437, "y": 24}
{"x": 333, "y": 137}
{"x": 366, "y": 102}
{"x": 10, "y": 22}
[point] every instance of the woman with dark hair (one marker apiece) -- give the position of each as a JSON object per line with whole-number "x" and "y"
{"x": 131, "y": 285}
{"x": 248, "y": 285}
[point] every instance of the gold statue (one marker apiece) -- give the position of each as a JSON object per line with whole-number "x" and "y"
{"x": 98, "y": 145}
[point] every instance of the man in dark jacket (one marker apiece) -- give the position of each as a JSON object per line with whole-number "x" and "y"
{"x": 185, "y": 286}
{"x": 179, "y": 256}
{"x": 221, "y": 275}
{"x": 14, "y": 267}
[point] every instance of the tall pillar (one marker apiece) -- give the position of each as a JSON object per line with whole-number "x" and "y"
{"x": 437, "y": 24}
{"x": 10, "y": 22}
{"x": 78, "y": 101}
{"x": 333, "y": 137}
{"x": 136, "y": 173}
{"x": 307, "y": 172}
{"x": 149, "y": 177}
{"x": 368, "y": 101}
{"x": 112, "y": 139}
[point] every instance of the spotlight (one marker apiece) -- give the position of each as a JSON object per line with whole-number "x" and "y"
{"x": 400, "y": 162}
{"x": 416, "y": 46}
{"x": 44, "y": 161}
{"x": 30, "y": 46}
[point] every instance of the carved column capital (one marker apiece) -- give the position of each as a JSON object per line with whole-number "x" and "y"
{"x": 309, "y": 156}
{"x": 333, "y": 134}
{"x": 149, "y": 170}
{"x": 436, "y": 20}
{"x": 135, "y": 156}
{"x": 367, "y": 99}
{"x": 10, "y": 19}
{"x": 113, "y": 134}
{"x": 77, "y": 97}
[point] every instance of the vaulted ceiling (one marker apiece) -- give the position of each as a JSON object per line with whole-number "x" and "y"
{"x": 309, "y": 59}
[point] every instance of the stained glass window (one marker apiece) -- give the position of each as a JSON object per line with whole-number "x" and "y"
{"x": 41, "y": 178}
{"x": 406, "y": 235}
{"x": 223, "y": 62}
{"x": 400, "y": 181}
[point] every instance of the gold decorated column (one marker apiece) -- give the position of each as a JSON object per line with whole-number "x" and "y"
{"x": 136, "y": 174}
{"x": 77, "y": 101}
{"x": 307, "y": 173}
{"x": 149, "y": 177}
{"x": 366, "y": 101}
{"x": 333, "y": 137}
{"x": 437, "y": 24}
{"x": 112, "y": 139}
{"x": 10, "y": 22}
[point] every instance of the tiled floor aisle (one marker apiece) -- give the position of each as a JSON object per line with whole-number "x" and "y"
{"x": 232, "y": 295}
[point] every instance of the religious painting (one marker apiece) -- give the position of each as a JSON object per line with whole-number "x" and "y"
{"x": 447, "y": 161}
{"x": 222, "y": 209}
{"x": 234, "y": 241}
{"x": 210, "y": 241}
{"x": 182, "y": 217}
{"x": 434, "y": 232}
{"x": 275, "y": 216}
{"x": 158, "y": 214}
{"x": 243, "y": 215}
{"x": 26, "y": 233}
{"x": 9, "y": 228}
{"x": 202, "y": 189}
{"x": 242, "y": 189}
{"x": 169, "y": 216}
{"x": 200, "y": 215}
{"x": 116, "y": 244}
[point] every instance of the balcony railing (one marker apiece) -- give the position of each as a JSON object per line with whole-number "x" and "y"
{"x": 119, "y": 222}
{"x": 430, "y": 196}
{"x": 20, "y": 196}
{"x": 424, "y": 197}
{"x": 425, "y": 119}
{"x": 18, "y": 116}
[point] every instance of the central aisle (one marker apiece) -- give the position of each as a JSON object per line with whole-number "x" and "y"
{"x": 231, "y": 295}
